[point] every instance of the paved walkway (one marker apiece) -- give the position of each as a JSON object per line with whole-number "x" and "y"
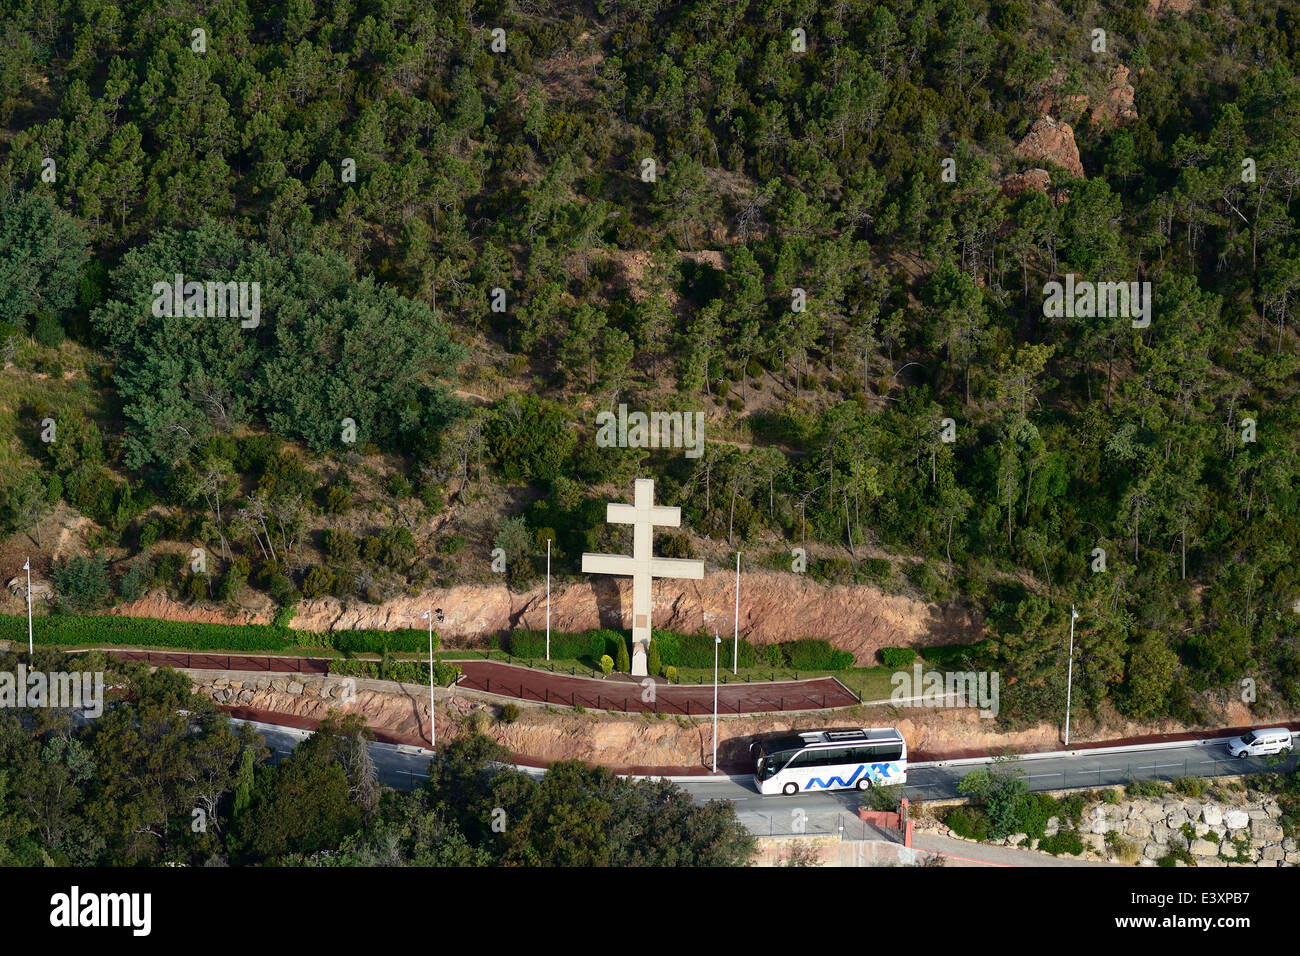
{"x": 962, "y": 853}
{"x": 619, "y": 692}
{"x": 624, "y": 693}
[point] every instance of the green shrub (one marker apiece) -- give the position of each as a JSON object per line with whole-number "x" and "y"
{"x": 773, "y": 657}
{"x": 81, "y": 582}
{"x": 809, "y": 655}
{"x": 606, "y": 664}
{"x": 132, "y": 584}
{"x": 338, "y": 500}
{"x": 1065, "y": 842}
{"x": 841, "y": 660}
{"x": 653, "y": 662}
{"x": 897, "y": 658}
{"x": 48, "y": 331}
{"x": 319, "y": 580}
{"x": 195, "y": 587}
{"x": 969, "y": 822}
{"x": 1175, "y": 854}
{"x": 1146, "y": 788}
{"x": 696, "y": 650}
{"x": 622, "y": 662}
{"x": 878, "y": 569}
{"x": 509, "y": 713}
{"x": 1111, "y": 796}
{"x": 670, "y": 674}
{"x": 1191, "y": 786}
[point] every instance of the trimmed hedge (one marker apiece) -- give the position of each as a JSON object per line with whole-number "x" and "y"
{"x": 151, "y": 632}
{"x": 564, "y": 645}
{"x": 696, "y": 650}
{"x": 897, "y": 657}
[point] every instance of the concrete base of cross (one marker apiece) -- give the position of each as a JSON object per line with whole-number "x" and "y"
{"x": 638, "y": 659}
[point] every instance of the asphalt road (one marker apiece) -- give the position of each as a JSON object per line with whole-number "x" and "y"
{"x": 405, "y": 768}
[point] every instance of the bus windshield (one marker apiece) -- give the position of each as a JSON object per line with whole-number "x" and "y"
{"x": 769, "y": 764}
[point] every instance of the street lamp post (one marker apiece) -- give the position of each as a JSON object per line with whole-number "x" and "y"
{"x": 27, "y": 566}
{"x": 433, "y": 737}
{"x": 717, "y": 642}
{"x": 1069, "y": 679}
{"x": 548, "y": 599}
{"x": 735, "y": 654}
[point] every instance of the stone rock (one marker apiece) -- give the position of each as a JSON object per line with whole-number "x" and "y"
{"x": 1201, "y": 829}
{"x": 1292, "y": 856}
{"x": 1153, "y": 813}
{"x": 1177, "y": 817}
{"x": 1236, "y": 819}
{"x": 1266, "y": 831}
{"x": 1116, "y": 104}
{"x": 1138, "y": 828}
{"x": 1212, "y": 814}
{"x": 1204, "y": 848}
{"x": 1274, "y": 852}
{"x": 1161, "y": 834}
{"x": 1013, "y": 184}
{"x": 1094, "y": 841}
{"x": 245, "y": 696}
{"x": 1050, "y": 140}
{"x": 279, "y": 684}
{"x": 1015, "y": 838}
{"x": 294, "y": 687}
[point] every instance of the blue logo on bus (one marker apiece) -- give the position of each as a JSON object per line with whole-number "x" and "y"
{"x": 877, "y": 771}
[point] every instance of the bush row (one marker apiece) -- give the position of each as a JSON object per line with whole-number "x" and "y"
{"x": 151, "y": 632}
{"x": 680, "y": 650}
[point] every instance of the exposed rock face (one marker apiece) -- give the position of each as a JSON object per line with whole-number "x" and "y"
{"x": 159, "y": 605}
{"x": 40, "y": 589}
{"x": 773, "y": 607}
{"x": 1116, "y": 106}
{"x": 1013, "y": 184}
{"x": 1054, "y": 142}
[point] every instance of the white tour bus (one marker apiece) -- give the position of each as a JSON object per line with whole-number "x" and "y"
{"x": 829, "y": 760}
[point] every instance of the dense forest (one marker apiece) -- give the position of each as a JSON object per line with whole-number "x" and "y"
{"x": 476, "y": 225}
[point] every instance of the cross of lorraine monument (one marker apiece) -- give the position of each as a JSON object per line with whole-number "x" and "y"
{"x": 643, "y": 515}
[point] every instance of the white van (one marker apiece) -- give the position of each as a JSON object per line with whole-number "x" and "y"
{"x": 1260, "y": 742}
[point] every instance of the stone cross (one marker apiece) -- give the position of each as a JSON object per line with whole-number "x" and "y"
{"x": 643, "y": 515}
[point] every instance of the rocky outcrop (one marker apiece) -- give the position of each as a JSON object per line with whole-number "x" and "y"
{"x": 1247, "y": 832}
{"x": 1116, "y": 105}
{"x": 1051, "y": 141}
{"x": 1013, "y": 184}
{"x": 773, "y": 607}
{"x": 157, "y": 604}
{"x": 1156, "y": 7}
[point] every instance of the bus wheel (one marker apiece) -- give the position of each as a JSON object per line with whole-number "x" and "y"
{"x": 790, "y": 789}
{"x": 864, "y": 783}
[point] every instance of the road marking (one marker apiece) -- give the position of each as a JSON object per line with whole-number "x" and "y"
{"x": 411, "y": 773}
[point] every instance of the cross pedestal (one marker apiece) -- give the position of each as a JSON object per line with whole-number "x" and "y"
{"x": 643, "y": 515}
